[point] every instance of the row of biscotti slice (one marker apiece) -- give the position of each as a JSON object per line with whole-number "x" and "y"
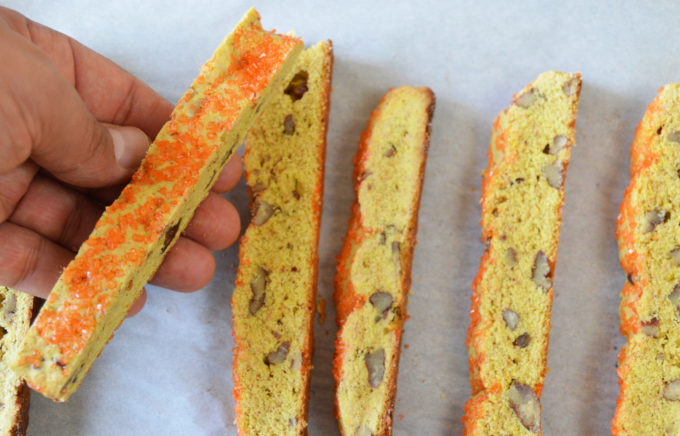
{"x": 648, "y": 233}
{"x": 522, "y": 197}
{"x": 374, "y": 267}
{"x": 275, "y": 293}
{"x": 133, "y": 235}
{"x": 16, "y": 311}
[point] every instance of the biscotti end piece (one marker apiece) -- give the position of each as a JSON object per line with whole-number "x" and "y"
{"x": 648, "y": 233}
{"x": 374, "y": 267}
{"x": 274, "y": 297}
{"x": 132, "y": 237}
{"x": 16, "y": 310}
{"x": 522, "y": 197}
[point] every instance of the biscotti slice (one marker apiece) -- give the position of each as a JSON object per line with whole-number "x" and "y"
{"x": 275, "y": 293}
{"x": 16, "y": 310}
{"x": 648, "y": 233}
{"x": 374, "y": 267}
{"x": 133, "y": 235}
{"x": 522, "y": 197}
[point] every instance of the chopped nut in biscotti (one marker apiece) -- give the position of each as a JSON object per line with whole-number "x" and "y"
{"x": 288, "y": 125}
{"x": 522, "y": 340}
{"x": 297, "y": 86}
{"x": 9, "y": 307}
{"x": 258, "y": 286}
{"x": 363, "y": 431}
{"x": 279, "y": 355}
{"x": 511, "y": 256}
{"x": 382, "y": 301}
{"x": 524, "y": 403}
{"x": 170, "y": 236}
{"x": 541, "y": 271}
{"x": 571, "y": 86}
{"x": 396, "y": 252}
{"x": 559, "y": 142}
{"x": 650, "y": 327}
{"x": 511, "y": 318}
{"x": 375, "y": 364}
{"x": 296, "y": 361}
{"x": 674, "y": 136}
{"x": 652, "y": 219}
{"x": 391, "y": 151}
{"x": 553, "y": 173}
{"x": 525, "y": 100}
{"x": 672, "y": 391}
{"x": 262, "y": 212}
{"x": 675, "y": 256}
{"x": 674, "y": 296}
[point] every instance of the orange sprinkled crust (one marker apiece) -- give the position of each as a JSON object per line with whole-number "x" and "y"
{"x": 512, "y": 295}
{"x": 649, "y": 246}
{"x": 131, "y": 239}
{"x": 284, "y": 164}
{"x": 351, "y": 294}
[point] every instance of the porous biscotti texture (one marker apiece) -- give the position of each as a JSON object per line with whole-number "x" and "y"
{"x": 522, "y": 197}
{"x": 16, "y": 310}
{"x": 648, "y": 233}
{"x": 275, "y": 294}
{"x": 374, "y": 267}
{"x": 133, "y": 235}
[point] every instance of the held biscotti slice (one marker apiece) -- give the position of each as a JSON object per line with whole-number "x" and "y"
{"x": 275, "y": 293}
{"x": 132, "y": 237}
{"x": 522, "y": 197}
{"x": 374, "y": 267}
{"x": 16, "y": 310}
{"x": 648, "y": 233}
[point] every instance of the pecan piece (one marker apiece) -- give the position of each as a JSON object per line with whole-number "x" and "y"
{"x": 541, "y": 272}
{"x": 297, "y": 86}
{"x": 524, "y": 403}
{"x": 258, "y": 286}
{"x": 279, "y": 355}
{"x": 511, "y": 318}
{"x": 652, "y": 219}
{"x": 375, "y": 364}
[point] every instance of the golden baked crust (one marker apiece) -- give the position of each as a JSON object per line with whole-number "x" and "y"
{"x": 648, "y": 233}
{"x": 374, "y": 268}
{"x": 132, "y": 237}
{"x": 522, "y": 197}
{"x": 275, "y": 294}
{"x": 16, "y": 311}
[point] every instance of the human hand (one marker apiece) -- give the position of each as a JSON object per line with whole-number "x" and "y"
{"x": 74, "y": 127}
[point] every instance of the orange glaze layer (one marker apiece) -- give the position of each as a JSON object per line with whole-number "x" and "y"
{"x": 346, "y": 298}
{"x": 642, "y": 156}
{"x": 90, "y": 279}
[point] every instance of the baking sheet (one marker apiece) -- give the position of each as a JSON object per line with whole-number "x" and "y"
{"x": 167, "y": 371}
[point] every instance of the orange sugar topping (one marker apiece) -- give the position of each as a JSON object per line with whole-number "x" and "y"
{"x": 185, "y": 147}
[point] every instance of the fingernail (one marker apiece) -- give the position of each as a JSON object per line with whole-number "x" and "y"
{"x": 129, "y": 145}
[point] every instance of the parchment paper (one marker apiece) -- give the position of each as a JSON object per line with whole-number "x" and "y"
{"x": 168, "y": 370}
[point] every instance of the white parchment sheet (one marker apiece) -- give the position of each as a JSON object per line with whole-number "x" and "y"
{"x": 167, "y": 371}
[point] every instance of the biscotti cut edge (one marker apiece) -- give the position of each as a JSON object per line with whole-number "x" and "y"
{"x": 522, "y": 198}
{"x": 16, "y": 311}
{"x": 648, "y": 234}
{"x": 131, "y": 238}
{"x": 392, "y": 151}
{"x": 273, "y": 331}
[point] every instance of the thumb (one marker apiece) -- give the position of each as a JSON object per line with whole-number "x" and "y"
{"x": 77, "y": 149}
{"x": 45, "y": 120}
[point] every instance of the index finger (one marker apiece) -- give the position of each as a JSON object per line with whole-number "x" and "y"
{"x": 112, "y": 94}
